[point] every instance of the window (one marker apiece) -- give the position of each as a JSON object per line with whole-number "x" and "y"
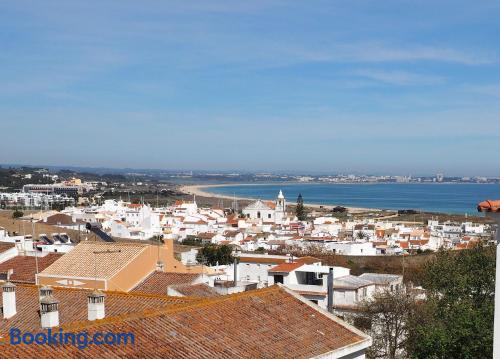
{"x": 278, "y": 278}
{"x": 269, "y": 215}
{"x": 258, "y": 214}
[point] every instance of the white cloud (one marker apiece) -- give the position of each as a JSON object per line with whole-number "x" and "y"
{"x": 492, "y": 90}
{"x": 397, "y": 77}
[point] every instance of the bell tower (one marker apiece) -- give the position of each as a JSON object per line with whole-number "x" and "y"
{"x": 279, "y": 212}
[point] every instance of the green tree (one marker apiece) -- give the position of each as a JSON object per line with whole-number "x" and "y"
{"x": 456, "y": 319}
{"x": 17, "y": 213}
{"x": 299, "y": 209}
{"x": 386, "y": 319}
{"x": 361, "y": 235}
{"x": 211, "y": 254}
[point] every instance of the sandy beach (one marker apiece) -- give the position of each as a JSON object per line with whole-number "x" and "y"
{"x": 201, "y": 190}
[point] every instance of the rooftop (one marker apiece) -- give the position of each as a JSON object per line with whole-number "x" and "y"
{"x": 350, "y": 282}
{"x": 158, "y": 282}
{"x": 257, "y": 205}
{"x": 73, "y": 305}
{"x": 266, "y": 323}
{"x": 81, "y": 261}
{"x": 6, "y": 246}
{"x": 200, "y": 290}
{"x": 379, "y": 278}
{"x": 24, "y": 267}
{"x": 291, "y": 266}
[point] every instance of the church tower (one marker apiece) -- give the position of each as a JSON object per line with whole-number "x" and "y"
{"x": 279, "y": 212}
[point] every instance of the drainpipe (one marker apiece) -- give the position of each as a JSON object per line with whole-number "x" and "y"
{"x": 330, "y": 291}
{"x": 235, "y": 271}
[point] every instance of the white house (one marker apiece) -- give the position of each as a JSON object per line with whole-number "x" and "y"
{"x": 352, "y": 248}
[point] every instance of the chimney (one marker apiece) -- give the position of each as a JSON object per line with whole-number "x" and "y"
{"x": 9, "y": 300}
{"x": 159, "y": 266}
{"x": 45, "y": 291}
{"x": 235, "y": 267}
{"x": 96, "y": 305}
{"x": 330, "y": 291}
{"x": 49, "y": 312}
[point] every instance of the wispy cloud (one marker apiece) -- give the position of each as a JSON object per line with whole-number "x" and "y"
{"x": 402, "y": 78}
{"x": 492, "y": 90}
{"x": 368, "y": 52}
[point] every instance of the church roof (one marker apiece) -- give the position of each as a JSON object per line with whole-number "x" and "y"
{"x": 257, "y": 205}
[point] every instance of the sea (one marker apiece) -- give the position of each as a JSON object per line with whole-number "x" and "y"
{"x": 453, "y": 198}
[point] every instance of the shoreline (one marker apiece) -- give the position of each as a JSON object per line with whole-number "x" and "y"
{"x": 199, "y": 190}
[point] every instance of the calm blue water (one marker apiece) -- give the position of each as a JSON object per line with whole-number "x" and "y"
{"x": 442, "y": 197}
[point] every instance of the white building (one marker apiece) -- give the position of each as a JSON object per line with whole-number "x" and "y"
{"x": 349, "y": 248}
{"x": 268, "y": 211}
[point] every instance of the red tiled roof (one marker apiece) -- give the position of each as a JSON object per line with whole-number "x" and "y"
{"x": 418, "y": 242}
{"x": 205, "y": 235}
{"x": 468, "y": 245}
{"x": 231, "y": 233}
{"x": 60, "y": 219}
{"x": 6, "y": 246}
{"x": 200, "y": 290}
{"x": 307, "y": 260}
{"x": 134, "y": 205}
{"x": 489, "y": 206}
{"x": 404, "y": 244}
{"x": 286, "y": 267}
{"x": 158, "y": 282}
{"x": 24, "y": 267}
{"x": 270, "y": 204}
{"x": 266, "y": 323}
{"x": 73, "y": 305}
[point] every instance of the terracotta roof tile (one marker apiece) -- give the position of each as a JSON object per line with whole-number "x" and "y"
{"x": 60, "y": 219}
{"x": 6, "y": 246}
{"x": 24, "y": 267}
{"x": 158, "y": 282}
{"x": 266, "y": 323}
{"x": 73, "y": 305}
{"x": 200, "y": 290}
{"x": 307, "y": 260}
{"x": 80, "y": 262}
{"x": 285, "y": 267}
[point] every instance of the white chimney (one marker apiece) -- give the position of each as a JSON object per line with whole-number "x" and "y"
{"x": 49, "y": 312}
{"x": 9, "y": 300}
{"x": 159, "y": 266}
{"x": 45, "y": 291}
{"x": 96, "y": 305}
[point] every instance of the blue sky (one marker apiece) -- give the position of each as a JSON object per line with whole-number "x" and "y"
{"x": 403, "y": 87}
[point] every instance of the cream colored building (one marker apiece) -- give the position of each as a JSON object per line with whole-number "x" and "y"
{"x": 112, "y": 266}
